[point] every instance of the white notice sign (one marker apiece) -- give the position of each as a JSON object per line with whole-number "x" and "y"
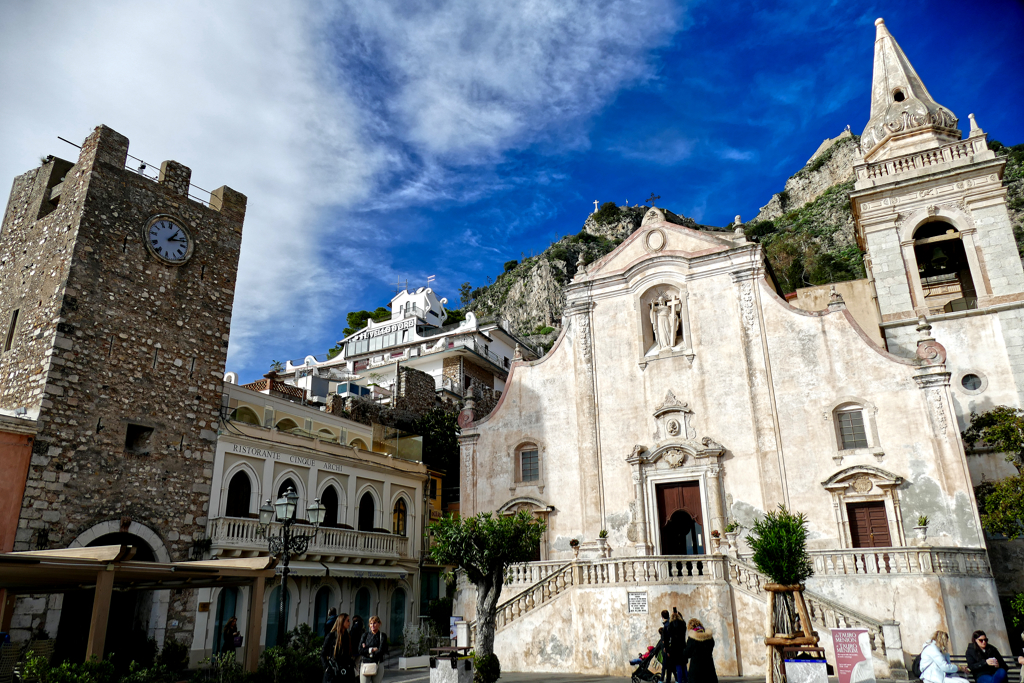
{"x": 637, "y": 602}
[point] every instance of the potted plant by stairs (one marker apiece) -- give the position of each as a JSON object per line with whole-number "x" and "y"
{"x": 716, "y": 542}
{"x": 602, "y": 543}
{"x": 731, "y": 542}
{"x": 779, "y": 542}
{"x": 921, "y": 530}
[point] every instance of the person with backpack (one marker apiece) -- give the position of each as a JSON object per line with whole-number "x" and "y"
{"x": 933, "y": 665}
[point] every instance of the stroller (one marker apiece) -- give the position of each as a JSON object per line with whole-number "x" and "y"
{"x": 643, "y": 673}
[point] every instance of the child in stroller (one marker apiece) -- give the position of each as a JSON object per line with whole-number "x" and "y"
{"x": 642, "y": 663}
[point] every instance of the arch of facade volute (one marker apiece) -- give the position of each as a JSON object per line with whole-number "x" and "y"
{"x": 300, "y": 488}
{"x": 537, "y": 508}
{"x": 255, "y": 486}
{"x": 865, "y": 484}
{"x": 161, "y": 599}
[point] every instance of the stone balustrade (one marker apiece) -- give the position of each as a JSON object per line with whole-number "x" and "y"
{"x": 912, "y": 162}
{"x": 946, "y": 561}
{"x": 235, "y": 536}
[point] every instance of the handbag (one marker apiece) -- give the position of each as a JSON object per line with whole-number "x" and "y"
{"x": 368, "y": 669}
{"x": 238, "y": 640}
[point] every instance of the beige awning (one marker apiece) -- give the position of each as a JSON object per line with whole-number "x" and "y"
{"x": 109, "y": 568}
{"x": 351, "y": 571}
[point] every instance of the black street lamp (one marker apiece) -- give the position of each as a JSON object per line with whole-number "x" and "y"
{"x": 285, "y": 544}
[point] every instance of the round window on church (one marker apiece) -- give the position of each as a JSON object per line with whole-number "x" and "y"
{"x": 971, "y": 382}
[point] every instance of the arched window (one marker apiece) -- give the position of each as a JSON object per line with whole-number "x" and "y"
{"x": 273, "y": 614}
{"x": 321, "y": 605}
{"x": 366, "y": 512}
{"x": 943, "y": 268}
{"x": 399, "y": 518}
{"x": 527, "y": 464}
{"x": 851, "y": 425}
{"x": 239, "y": 496}
{"x": 246, "y": 415}
{"x": 359, "y": 443}
{"x": 362, "y": 604}
{"x": 397, "y": 619}
{"x": 329, "y": 499}
{"x": 227, "y": 606}
{"x": 286, "y": 425}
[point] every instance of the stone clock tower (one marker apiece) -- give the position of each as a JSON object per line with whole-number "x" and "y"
{"x": 115, "y": 305}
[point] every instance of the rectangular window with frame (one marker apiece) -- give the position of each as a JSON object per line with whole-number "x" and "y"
{"x": 851, "y": 429}
{"x": 12, "y": 328}
{"x": 529, "y": 465}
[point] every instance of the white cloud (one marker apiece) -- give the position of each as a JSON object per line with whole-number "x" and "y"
{"x": 471, "y": 79}
{"x": 236, "y": 91}
{"x": 316, "y": 111}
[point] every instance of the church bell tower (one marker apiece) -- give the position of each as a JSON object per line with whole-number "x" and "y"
{"x": 931, "y": 217}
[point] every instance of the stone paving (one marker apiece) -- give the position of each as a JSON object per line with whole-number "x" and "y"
{"x": 423, "y": 676}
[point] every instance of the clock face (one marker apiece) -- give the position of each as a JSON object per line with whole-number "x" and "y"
{"x": 167, "y": 240}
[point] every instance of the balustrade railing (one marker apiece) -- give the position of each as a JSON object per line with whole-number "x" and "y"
{"x": 242, "y": 534}
{"x": 913, "y": 162}
{"x": 955, "y": 561}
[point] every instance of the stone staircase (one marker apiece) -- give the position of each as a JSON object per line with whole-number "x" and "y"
{"x": 539, "y": 584}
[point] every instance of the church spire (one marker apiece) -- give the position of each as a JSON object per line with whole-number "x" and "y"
{"x": 900, "y": 103}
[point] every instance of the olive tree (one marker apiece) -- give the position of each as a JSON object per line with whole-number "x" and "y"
{"x": 483, "y": 547}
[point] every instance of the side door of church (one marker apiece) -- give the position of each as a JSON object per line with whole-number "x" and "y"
{"x": 869, "y": 525}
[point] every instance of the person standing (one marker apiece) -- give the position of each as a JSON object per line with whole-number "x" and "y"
{"x": 935, "y": 664}
{"x": 666, "y": 647}
{"x": 356, "y": 632}
{"x": 332, "y": 616}
{"x": 336, "y": 655}
{"x": 984, "y": 660}
{"x": 699, "y": 650}
{"x": 677, "y": 645}
{"x": 373, "y": 648}
{"x": 228, "y": 635}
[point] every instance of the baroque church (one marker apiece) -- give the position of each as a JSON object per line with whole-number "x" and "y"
{"x": 685, "y": 398}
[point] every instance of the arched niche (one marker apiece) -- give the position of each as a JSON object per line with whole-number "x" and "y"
{"x": 663, "y": 325}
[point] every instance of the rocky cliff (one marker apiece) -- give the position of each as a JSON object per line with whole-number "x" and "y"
{"x": 806, "y": 231}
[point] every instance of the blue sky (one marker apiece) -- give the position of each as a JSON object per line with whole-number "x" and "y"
{"x": 379, "y": 140}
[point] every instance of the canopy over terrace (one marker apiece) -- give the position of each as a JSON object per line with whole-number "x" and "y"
{"x": 110, "y": 567}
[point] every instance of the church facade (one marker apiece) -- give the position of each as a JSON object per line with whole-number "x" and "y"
{"x": 686, "y": 397}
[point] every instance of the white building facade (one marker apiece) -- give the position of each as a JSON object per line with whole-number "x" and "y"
{"x": 364, "y": 558}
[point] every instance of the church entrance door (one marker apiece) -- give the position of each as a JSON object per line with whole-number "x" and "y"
{"x": 680, "y": 518}
{"x": 869, "y": 526}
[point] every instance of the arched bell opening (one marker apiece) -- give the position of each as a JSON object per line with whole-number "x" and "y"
{"x": 943, "y": 268}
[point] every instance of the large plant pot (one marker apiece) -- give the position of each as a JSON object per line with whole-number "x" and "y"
{"x": 413, "y": 662}
{"x": 446, "y": 671}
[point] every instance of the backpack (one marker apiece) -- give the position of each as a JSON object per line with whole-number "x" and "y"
{"x": 915, "y": 667}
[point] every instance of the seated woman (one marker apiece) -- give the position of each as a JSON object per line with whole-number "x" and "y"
{"x": 984, "y": 660}
{"x": 935, "y": 664}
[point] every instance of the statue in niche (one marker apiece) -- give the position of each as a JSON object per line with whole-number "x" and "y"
{"x": 665, "y": 322}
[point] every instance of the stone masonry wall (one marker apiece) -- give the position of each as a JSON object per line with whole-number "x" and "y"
{"x": 415, "y": 391}
{"x": 130, "y": 340}
{"x": 478, "y": 374}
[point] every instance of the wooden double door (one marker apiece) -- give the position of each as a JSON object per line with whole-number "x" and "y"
{"x": 680, "y": 518}
{"x": 869, "y": 525}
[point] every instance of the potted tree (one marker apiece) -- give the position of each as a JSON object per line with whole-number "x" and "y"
{"x": 779, "y": 542}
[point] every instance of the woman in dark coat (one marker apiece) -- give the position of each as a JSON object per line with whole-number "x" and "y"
{"x": 337, "y": 653}
{"x": 984, "y": 660}
{"x": 676, "y": 635}
{"x": 698, "y": 652}
{"x": 228, "y": 634}
{"x": 373, "y": 648}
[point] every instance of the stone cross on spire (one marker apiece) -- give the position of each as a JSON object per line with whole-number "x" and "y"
{"x": 901, "y": 104}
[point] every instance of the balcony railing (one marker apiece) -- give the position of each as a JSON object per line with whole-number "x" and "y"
{"x": 954, "y": 561}
{"x": 233, "y": 535}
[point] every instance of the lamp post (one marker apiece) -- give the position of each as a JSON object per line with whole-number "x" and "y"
{"x": 286, "y": 543}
